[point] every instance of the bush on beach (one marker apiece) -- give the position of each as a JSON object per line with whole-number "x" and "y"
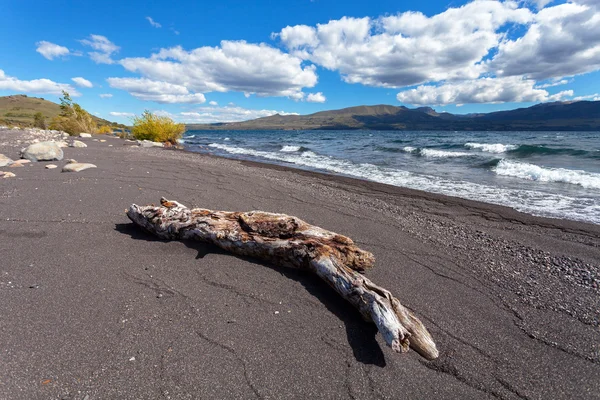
{"x": 156, "y": 128}
{"x": 72, "y": 119}
{"x": 105, "y": 129}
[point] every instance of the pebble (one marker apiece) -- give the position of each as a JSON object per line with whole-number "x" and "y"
{"x": 8, "y": 175}
{"x": 51, "y": 166}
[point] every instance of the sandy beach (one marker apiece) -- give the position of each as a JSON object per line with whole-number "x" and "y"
{"x": 91, "y": 307}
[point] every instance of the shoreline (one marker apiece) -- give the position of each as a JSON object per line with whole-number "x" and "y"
{"x": 99, "y": 308}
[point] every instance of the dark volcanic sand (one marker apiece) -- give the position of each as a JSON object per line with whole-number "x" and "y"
{"x": 93, "y": 308}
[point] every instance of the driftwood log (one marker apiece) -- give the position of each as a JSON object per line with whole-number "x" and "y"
{"x": 285, "y": 240}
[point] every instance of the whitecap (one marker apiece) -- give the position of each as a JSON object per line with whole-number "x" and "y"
{"x": 409, "y": 149}
{"x": 290, "y": 149}
{"x": 442, "y": 154}
{"x": 534, "y": 172}
{"x": 491, "y": 148}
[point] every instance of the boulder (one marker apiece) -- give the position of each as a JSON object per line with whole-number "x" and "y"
{"x": 77, "y": 143}
{"x": 4, "y": 161}
{"x": 85, "y": 135}
{"x": 44, "y": 151}
{"x": 76, "y": 167}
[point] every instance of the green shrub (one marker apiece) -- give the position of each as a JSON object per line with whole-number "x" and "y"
{"x": 39, "y": 121}
{"x": 152, "y": 127}
{"x": 105, "y": 129}
{"x": 72, "y": 118}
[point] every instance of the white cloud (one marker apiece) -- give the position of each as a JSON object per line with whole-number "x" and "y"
{"x": 592, "y": 97}
{"x": 51, "y": 50}
{"x": 41, "y": 86}
{"x": 233, "y": 66}
{"x": 213, "y": 103}
{"x": 106, "y": 95}
{"x": 316, "y": 98}
{"x": 563, "y": 40}
{"x": 153, "y": 23}
{"x": 485, "y": 90}
{"x": 409, "y": 48}
{"x": 175, "y": 31}
{"x": 554, "y": 82}
{"x": 158, "y": 91}
{"x": 208, "y": 115}
{"x": 121, "y": 114}
{"x": 82, "y": 82}
{"x": 104, "y": 49}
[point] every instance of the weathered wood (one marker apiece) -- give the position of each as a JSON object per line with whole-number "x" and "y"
{"x": 286, "y": 240}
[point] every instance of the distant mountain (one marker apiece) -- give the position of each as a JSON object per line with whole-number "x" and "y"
{"x": 19, "y": 110}
{"x": 562, "y": 116}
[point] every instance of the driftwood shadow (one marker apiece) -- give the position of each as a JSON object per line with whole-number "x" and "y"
{"x": 361, "y": 334}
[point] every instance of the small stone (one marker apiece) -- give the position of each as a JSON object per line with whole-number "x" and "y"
{"x": 132, "y": 359}
{"x": 51, "y": 166}
{"x": 8, "y": 175}
{"x": 4, "y": 161}
{"x": 34, "y": 286}
{"x": 62, "y": 144}
{"x": 159, "y": 295}
{"x": 77, "y": 167}
{"x": 276, "y": 312}
{"x": 85, "y": 135}
{"x": 77, "y": 143}
{"x": 71, "y": 161}
{"x": 102, "y": 140}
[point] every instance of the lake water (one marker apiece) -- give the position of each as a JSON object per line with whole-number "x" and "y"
{"x": 552, "y": 174}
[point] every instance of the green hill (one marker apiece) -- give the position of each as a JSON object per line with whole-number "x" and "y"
{"x": 19, "y": 110}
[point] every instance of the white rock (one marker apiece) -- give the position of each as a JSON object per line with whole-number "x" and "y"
{"x": 76, "y": 167}
{"x": 8, "y": 175}
{"x": 4, "y": 161}
{"x": 77, "y": 143}
{"x": 85, "y": 135}
{"x": 44, "y": 151}
{"x": 62, "y": 144}
{"x": 51, "y": 166}
{"x": 149, "y": 143}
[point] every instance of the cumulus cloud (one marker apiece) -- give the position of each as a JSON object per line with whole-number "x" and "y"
{"x": 51, "y": 50}
{"x": 409, "y": 48}
{"x": 233, "y": 66}
{"x": 158, "y": 91}
{"x": 41, "y": 86}
{"x": 563, "y": 40}
{"x": 316, "y": 98}
{"x": 82, "y": 82}
{"x": 209, "y": 115}
{"x": 106, "y": 95}
{"x": 104, "y": 49}
{"x": 121, "y": 114}
{"x": 213, "y": 103}
{"x": 153, "y": 22}
{"x": 484, "y": 90}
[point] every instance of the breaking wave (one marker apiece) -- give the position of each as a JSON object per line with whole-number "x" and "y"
{"x": 530, "y": 201}
{"x": 544, "y": 174}
{"x": 495, "y": 148}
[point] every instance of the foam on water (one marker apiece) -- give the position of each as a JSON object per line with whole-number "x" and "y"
{"x": 496, "y": 148}
{"x": 529, "y": 201}
{"x": 410, "y": 149}
{"x": 290, "y": 149}
{"x": 543, "y": 174}
{"x": 442, "y": 154}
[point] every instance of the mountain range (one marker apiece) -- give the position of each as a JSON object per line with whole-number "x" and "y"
{"x": 560, "y": 116}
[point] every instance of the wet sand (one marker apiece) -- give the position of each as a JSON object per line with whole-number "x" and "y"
{"x": 93, "y": 308}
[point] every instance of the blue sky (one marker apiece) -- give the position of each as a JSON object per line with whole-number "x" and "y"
{"x": 232, "y": 60}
